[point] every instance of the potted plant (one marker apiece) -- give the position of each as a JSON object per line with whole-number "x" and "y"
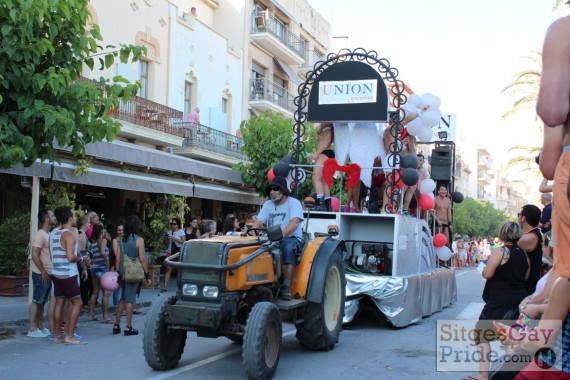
{"x": 159, "y": 210}
{"x": 14, "y": 238}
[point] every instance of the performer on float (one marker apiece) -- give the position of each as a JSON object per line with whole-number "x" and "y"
{"x": 325, "y": 135}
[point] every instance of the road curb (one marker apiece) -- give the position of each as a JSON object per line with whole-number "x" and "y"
{"x": 24, "y": 321}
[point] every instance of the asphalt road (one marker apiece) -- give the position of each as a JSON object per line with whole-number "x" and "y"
{"x": 367, "y": 350}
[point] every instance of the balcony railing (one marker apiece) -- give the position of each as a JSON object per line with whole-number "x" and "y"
{"x": 149, "y": 114}
{"x": 265, "y": 22}
{"x": 161, "y": 118}
{"x": 312, "y": 57}
{"x": 201, "y": 136}
{"x": 264, "y": 89}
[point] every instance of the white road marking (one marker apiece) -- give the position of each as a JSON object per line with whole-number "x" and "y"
{"x": 471, "y": 311}
{"x": 201, "y": 363}
{"x": 463, "y": 271}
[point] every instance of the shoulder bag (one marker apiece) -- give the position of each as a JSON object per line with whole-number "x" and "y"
{"x": 132, "y": 268}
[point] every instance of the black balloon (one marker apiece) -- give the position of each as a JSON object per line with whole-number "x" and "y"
{"x": 409, "y": 176}
{"x": 409, "y": 161}
{"x": 288, "y": 159}
{"x": 457, "y": 197}
{"x": 281, "y": 169}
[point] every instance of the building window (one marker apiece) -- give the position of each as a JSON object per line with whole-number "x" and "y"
{"x": 143, "y": 77}
{"x": 224, "y": 105}
{"x": 187, "y": 98}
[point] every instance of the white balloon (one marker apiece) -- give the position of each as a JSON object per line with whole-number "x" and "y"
{"x": 427, "y": 186}
{"x": 443, "y": 253}
{"x": 431, "y": 100}
{"x": 431, "y": 195}
{"x": 415, "y": 100}
{"x": 415, "y": 126}
{"x": 425, "y": 135}
{"x": 410, "y": 108}
{"x": 431, "y": 117}
{"x": 427, "y": 98}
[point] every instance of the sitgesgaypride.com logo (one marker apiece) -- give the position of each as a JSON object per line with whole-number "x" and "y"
{"x": 458, "y": 347}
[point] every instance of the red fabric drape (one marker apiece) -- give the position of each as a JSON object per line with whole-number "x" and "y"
{"x": 331, "y": 165}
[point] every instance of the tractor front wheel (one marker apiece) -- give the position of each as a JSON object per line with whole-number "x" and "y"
{"x": 262, "y": 341}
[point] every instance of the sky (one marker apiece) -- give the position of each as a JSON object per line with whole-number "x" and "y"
{"x": 465, "y": 52}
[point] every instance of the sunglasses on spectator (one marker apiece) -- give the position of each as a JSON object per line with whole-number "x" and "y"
{"x": 274, "y": 188}
{"x": 173, "y": 224}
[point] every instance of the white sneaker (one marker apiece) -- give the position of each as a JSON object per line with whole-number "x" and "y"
{"x": 45, "y": 331}
{"x": 37, "y": 334}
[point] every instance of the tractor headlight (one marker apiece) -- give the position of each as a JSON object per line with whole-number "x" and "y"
{"x": 190, "y": 289}
{"x": 210, "y": 291}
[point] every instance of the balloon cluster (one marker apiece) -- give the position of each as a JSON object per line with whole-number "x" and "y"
{"x": 421, "y": 126}
{"x": 283, "y": 169}
{"x": 426, "y": 198}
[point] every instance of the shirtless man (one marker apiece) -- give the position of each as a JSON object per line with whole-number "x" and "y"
{"x": 553, "y": 107}
{"x": 407, "y": 147}
{"x": 325, "y": 135}
{"x": 443, "y": 213}
{"x": 411, "y": 190}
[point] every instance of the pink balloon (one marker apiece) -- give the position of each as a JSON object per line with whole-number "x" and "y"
{"x": 110, "y": 281}
{"x": 426, "y": 202}
{"x": 335, "y": 204}
{"x": 439, "y": 240}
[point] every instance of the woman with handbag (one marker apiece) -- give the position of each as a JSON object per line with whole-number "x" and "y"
{"x": 506, "y": 271}
{"x": 133, "y": 269}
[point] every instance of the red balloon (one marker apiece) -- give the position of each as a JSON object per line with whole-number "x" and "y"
{"x": 425, "y": 202}
{"x": 439, "y": 240}
{"x": 270, "y": 175}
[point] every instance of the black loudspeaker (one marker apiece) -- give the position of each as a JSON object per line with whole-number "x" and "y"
{"x": 441, "y": 164}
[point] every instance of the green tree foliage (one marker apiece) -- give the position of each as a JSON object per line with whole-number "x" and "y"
{"x": 477, "y": 218}
{"x": 159, "y": 210}
{"x": 57, "y": 194}
{"x": 43, "y": 47}
{"x": 14, "y": 237}
{"x": 267, "y": 139}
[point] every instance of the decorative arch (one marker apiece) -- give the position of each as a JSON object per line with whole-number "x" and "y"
{"x": 341, "y": 66}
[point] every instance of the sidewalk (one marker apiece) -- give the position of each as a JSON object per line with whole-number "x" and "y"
{"x": 14, "y": 310}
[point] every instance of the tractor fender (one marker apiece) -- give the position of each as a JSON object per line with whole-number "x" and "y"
{"x": 316, "y": 284}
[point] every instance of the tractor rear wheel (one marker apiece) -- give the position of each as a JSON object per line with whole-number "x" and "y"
{"x": 322, "y": 322}
{"x": 162, "y": 346}
{"x": 262, "y": 341}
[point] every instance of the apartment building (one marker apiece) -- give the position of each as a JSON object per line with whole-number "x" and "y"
{"x": 213, "y": 55}
{"x": 286, "y": 39}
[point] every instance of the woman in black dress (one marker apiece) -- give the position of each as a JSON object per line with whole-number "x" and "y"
{"x": 191, "y": 230}
{"x": 506, "y": 271}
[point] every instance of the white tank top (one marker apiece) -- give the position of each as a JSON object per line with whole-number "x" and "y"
{"x": 62, "y": 268}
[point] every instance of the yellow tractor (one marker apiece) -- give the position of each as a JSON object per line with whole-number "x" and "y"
{"x": 228, "y": 286}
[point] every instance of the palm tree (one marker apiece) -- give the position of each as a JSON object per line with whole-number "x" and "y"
{"x": 558, "y": 4}
{"x": 525, "y": 86}
{"x": 525, "y": 90}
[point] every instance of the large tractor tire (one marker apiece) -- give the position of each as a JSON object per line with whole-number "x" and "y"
{"x": 262, "y": 341}
{"x": 322, "y": 322}
{"x": 162, "y": 347}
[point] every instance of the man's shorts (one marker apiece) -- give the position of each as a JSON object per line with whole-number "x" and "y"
{"x": 561, "y": 216}
{"x": 290, "y": 250}
{"x": 66, "y": 287}
{"x": 41, "y": 290}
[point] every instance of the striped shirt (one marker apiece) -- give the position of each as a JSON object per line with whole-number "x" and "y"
{"x": 98, "y": 261}
{"x": 62, "y": 268}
